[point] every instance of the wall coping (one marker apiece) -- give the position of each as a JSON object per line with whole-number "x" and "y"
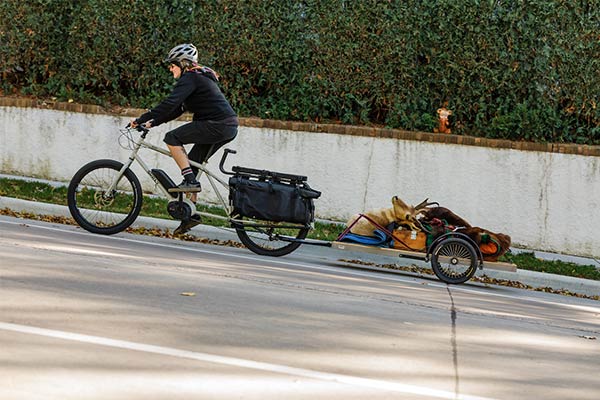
{"x": 366, "y": 131}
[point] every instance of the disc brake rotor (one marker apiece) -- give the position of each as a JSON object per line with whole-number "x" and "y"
{"x": 103, "y": 200}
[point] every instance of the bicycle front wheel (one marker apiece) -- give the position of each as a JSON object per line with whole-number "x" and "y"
{"x": 98, "y": 209}
{"x": 270, "y": 239}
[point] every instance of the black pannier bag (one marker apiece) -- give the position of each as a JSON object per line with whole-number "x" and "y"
{"x": 270, "y": 199}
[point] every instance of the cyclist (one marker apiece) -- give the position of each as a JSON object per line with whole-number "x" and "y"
{"x": 214, "y": 121}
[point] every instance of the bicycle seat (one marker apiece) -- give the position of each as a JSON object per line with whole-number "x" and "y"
{"x": 202, "y": 152}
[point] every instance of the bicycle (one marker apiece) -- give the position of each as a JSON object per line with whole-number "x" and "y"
{"x": 105, "y": 197}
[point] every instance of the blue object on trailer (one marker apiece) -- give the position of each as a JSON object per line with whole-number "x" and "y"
{"x": 380, "y": 239}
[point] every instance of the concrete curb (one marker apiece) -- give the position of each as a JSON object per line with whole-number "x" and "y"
{"x": 531, "y": 278}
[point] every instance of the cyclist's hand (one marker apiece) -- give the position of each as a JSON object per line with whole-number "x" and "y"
{"x": 134, "y": 124}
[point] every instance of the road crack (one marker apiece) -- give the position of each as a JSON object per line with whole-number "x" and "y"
{"x": 454, "y": 345}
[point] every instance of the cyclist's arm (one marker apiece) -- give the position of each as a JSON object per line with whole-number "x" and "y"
{"x": 172, "y": 106}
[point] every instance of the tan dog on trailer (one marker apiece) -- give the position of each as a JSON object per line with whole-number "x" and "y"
{"x": 400, "y": 212}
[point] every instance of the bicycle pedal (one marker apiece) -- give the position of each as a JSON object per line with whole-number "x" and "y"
{"x": 186, "y": 225}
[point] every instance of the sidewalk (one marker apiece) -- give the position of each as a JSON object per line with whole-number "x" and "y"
{"x": 531, "y": 278}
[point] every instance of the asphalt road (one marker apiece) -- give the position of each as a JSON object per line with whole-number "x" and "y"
{"x": 84, "y": 316}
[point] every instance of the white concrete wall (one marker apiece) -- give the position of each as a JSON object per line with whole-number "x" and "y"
{"x": 545, "y": 201}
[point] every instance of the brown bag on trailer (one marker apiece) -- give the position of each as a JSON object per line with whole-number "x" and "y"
{"x": 409, "y": 240}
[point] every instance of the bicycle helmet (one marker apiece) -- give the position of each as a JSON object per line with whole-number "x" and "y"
{"x": 182, "y": 52}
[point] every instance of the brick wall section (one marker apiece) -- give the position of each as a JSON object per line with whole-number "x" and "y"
{"x": 565, "y": 148}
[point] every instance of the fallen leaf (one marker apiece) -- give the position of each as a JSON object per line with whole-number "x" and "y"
{"x": 588, "y": 337}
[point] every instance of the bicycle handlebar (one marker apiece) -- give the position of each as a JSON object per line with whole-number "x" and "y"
{"x": 139, "y": 128}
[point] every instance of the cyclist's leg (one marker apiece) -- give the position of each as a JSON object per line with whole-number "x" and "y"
{"x": 202, "y": 152}
{"x": 203, "y": 134}
{"x": 175, "y": 139}
{"x": 214, "y": 135}
{"x": 216, "y": 138}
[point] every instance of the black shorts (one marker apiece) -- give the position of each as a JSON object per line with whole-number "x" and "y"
{"x": 203, "y": 132}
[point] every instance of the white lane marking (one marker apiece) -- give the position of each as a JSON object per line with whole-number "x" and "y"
{"x": 238, "y": 362}
{"x": 319, "y": 268}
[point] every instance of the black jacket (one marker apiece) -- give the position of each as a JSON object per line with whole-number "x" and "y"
{"x": 196, "y": 92}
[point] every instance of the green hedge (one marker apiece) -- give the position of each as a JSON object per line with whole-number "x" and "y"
{"x": 521, "y": 70}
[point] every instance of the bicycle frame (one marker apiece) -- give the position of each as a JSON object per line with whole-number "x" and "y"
{"x": 202, "y": 170}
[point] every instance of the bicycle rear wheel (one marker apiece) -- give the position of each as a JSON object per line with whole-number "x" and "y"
{"x": 270, "y": 239}
{"x": 95, "y": 208}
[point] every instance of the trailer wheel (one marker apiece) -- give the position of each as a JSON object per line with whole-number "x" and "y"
{"x": 454, "y": 260}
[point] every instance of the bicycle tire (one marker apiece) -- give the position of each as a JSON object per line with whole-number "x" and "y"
{"x": 461, "y": 262}
{"x": 93, "y": 209}
{"x": 263, "y": 240}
